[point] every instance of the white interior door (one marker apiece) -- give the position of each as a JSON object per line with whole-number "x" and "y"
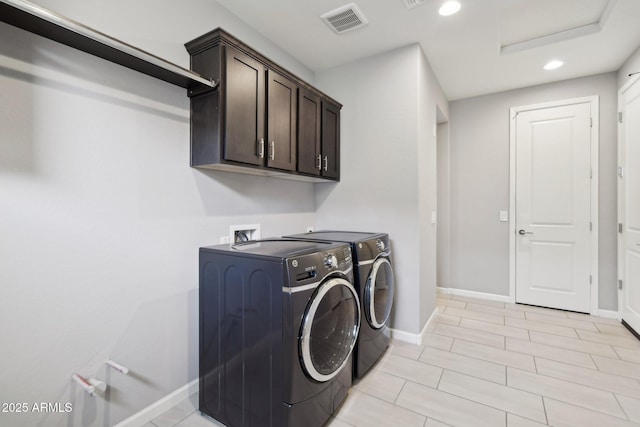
{"x": 553, "y": 206}
{"x": 629, "y": 205}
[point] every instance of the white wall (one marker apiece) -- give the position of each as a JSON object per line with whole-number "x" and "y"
{"x": 101, "y": 216}
{"x": 480, "y": 183}
{"x": 389, "y": 107}
{"x": 162, "y": 28}
{"x": 443, "y": 253}
{"x": 431, "y": 105}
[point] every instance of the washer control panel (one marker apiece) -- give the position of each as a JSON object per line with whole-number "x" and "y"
{"x": 331, "y": 261}
{"x": 307, "y": 268}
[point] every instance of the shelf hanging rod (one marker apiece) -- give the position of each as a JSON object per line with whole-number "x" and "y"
{"x": 118, "y": 367}
{"x": 86, "y": 385}
{"x": 99, "y": 37}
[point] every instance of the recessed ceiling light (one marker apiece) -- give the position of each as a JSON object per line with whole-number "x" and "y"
{"x": 552, "y": 65}
{"x": 449, "y": 8}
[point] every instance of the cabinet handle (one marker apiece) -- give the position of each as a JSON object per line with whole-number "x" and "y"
{"x": 273, "y": 150}
{"x": 319, "y": 161}
{"x": 326, "y": 163}
{"x": 261, "y": 148}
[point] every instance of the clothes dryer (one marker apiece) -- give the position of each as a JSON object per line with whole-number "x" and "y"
{"x": 374, "y": 281}
{"x": 279, "y": 320}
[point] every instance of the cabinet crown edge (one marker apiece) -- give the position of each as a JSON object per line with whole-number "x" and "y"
{"x": 219, "y": 37}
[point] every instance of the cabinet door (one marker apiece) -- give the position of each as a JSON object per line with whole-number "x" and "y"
{"x": 245, "y": 109}
{"x": 330, "y": 140}
{"x": 281, "y": 127}
{"x": 309, "y": 115}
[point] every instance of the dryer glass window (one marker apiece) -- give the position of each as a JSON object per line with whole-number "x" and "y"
{"x": 330, "y": 329}
{"x": 379, "y": 293}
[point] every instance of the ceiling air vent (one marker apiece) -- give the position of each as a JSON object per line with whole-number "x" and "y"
{"x": 345, "y": 18}
{"x": 413, "y": 3}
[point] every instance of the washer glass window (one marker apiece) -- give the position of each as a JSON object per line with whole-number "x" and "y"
{"x": 379, "y": 293}
{"x": 330, "y": 328}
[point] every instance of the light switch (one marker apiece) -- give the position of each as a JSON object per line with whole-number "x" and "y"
{"x": 504, "y": 216}
{"x": 433, "y": 217}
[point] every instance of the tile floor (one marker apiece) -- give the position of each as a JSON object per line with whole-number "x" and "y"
{"x": 487, "y": 363}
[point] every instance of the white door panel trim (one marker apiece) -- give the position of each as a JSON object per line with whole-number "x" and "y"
{"x": 628, "y": 269}
{"x": 594, "y": 150}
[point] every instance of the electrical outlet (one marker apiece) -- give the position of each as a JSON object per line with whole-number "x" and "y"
{"x": 224, "y": 240}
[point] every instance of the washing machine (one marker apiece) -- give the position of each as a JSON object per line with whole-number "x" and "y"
{"x": 374, "y": 280}
{"x": 279, "y": 320}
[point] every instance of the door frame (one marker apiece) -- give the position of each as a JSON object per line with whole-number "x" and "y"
{"x": 594, "y": 149}
{"x": 621, "y": 238}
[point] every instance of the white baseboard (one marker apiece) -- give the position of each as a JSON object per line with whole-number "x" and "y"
{"x": 429, "y": 325}
{"x": 474, "y": 294}
{"x": 161, "y": 406}
{"x": 409, "y": 337}
{"x": 609, "y": 314}
{"x": 412, "y": 338}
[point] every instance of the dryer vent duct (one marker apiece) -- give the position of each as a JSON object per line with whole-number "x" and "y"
{"x": 345, "y": 18}
{"x": 413, "y": 3}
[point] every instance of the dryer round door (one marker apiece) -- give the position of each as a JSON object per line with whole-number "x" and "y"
{"x": 329, "y": 329}
{"x": 378, "y": 293}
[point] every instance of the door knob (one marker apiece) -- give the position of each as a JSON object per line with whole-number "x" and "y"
{"x": 522, "y": 232}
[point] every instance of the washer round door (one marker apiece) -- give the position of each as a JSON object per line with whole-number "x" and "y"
{"x": 329, "y": 329}
{"x": 378, "y": 293}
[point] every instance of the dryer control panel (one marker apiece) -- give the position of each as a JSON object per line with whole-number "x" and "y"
{"x": 368, "y": 250}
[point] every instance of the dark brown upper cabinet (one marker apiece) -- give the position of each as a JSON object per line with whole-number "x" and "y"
{"x": 330, "y": 140}
{"x": 318, "y": 136}
{"x": 244, "y": 109}
{"x": 282, "y": 123}
{"x": 309, "y": 132}
{"x": 261, "y": 119}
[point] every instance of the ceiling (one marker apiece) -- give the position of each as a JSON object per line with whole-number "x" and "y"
{"x": 489, "y": 46}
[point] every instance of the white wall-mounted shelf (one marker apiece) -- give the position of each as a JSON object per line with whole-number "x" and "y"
{"x": 41, "y": 21}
